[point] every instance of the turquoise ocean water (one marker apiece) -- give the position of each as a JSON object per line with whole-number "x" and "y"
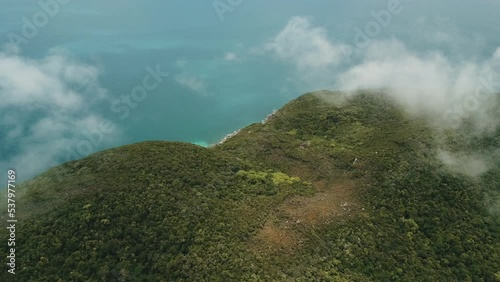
{"x": 234, "y": 81}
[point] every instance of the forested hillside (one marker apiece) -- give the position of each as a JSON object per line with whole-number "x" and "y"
{"x": 329, "y": 188}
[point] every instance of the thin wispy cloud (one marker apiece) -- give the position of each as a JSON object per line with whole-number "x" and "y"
{"x": 428, "y": 83}
{"x": 55, "y": 95}
{"x": 192, "y": 82}
{"x": 230, "y": 56}
{"x": 313, "y": 57}
{"x": 306, "y": 46}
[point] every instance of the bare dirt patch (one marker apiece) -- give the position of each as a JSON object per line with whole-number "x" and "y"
{"x": 275, "y": 236}
{"x": 329, "y": 202}
{"x": 333, "y": 200}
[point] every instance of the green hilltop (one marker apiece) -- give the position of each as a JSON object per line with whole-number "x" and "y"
{"x": 329, "y": 188}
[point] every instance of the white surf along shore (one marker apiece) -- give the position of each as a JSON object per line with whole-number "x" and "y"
{"x": 234, "y": 133}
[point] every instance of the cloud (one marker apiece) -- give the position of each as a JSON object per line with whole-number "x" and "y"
{"x": 470, "y": 165}
{"x": 430, "y": 85}
{"x": 427, "y": 83}
{"x": 493, "y": 203}
{"x": 447, "y": 89}
{"x": 306, "y": 46}
{"x": 192, "y": 82}
{"x": 496, "y": 57}
{"x": 230, "y": 56}
{"x": 46, "y": 105}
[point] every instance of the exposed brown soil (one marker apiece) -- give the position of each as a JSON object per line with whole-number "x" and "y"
{"x": 280, "y": 232}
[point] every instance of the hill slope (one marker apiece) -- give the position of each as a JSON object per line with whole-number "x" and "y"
{"x": 344, "y": 190}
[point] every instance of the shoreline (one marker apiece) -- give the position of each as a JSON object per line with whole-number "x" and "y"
{"x": 234, "y": 133}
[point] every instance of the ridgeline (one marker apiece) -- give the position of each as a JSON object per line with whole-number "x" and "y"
{"x": 327, "y": 189}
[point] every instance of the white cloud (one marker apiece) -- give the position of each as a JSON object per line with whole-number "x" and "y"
{"x": 192, "y": 82}
{"x": 230, "y": 56}
{"x": 469, "y": 165}
{"x": 431, "y": 85}
{"x": 54, "y": 80}
{"x": 427, "y": 83}
{"x": 496, "y": 56}
{"x": 46, "y": 105}
{"x": 305, "y": 45}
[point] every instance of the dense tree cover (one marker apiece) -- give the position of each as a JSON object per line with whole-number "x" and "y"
{"x": 160, "y": 211}
{"x": 147, "y": 212}
{"x": 423, "y": 221}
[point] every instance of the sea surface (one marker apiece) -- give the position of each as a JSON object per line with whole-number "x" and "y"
{"x": 221, "y": 76}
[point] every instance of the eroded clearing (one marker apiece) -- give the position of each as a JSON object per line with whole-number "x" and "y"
{"x": 281, "y": 230}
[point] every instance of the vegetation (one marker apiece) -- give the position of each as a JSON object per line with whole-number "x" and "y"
{"x": 328, "y": 189}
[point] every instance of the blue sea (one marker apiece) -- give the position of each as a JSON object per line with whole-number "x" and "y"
{"x": 221, "y": 76}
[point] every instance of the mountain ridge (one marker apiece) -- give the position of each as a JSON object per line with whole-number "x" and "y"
{"x": 331, "y": 188}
